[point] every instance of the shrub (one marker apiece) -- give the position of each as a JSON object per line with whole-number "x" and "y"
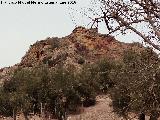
{"x": 81, "y": 60}
{"x": 104, "y": 68}
{"x": 41, "y": 88}
{"x": 54, "y": 42}
{"x": 136, "y": 86}
{"x": 5, "y": 107}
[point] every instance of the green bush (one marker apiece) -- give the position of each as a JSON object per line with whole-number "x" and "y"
{"x": 5, "y": 106}
{"x": 136, "y": 85}
{"x": 81, "y": 60}
{"x": 104, "y": 68}
{"x": 30, "y": 90}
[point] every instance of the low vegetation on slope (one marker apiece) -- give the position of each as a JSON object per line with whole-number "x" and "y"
{"x": 133, "y": 85}
{"x": 41, "y": 90}
{"x": 137, "y": 85}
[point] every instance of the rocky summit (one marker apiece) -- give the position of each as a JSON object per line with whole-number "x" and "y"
{"x": 81, "y": 46}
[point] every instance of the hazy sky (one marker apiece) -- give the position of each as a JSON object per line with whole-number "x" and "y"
{"x": 23, "y": 25}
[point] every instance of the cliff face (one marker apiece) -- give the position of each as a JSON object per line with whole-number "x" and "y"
{"x": 81, "y": 43}
{"x": 81, "y": 46}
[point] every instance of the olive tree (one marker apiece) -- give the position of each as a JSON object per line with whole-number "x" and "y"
{"x": 137, "y": 84}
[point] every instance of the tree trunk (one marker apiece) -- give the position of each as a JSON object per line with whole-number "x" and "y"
{"x": 141, "y": 116}
{"x": 14, "y": 114}
{"x": 26, "y": 116}
{"x": 41, "y": 109}
{"x": 154, "y": 115}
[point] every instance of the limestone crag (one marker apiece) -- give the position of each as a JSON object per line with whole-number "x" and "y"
{"x": 81, "y": 46}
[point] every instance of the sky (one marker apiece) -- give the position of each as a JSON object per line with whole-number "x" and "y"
{"x": 23, "y": 25}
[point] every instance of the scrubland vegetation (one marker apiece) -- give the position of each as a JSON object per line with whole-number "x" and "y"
{"x": 132, "y": 83}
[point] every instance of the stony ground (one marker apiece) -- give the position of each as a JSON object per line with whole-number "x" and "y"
{"x": 101, "y": 111}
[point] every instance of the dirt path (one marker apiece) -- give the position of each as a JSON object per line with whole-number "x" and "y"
{"x": 101, "y": 111}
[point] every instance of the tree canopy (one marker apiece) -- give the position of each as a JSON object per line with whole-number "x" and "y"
{"x": 139, "y": 16}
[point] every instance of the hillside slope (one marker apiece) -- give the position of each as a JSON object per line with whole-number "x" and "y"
{"x": 101, "y": 111}
{"x": 81, "y": 43}
{"x": 81, "y": 46}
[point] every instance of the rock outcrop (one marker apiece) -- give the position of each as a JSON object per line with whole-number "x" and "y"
{"x": 81, "y": 46}
{"x": 81, "y": 43}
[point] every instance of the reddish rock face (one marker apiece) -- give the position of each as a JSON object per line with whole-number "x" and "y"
{"x": 81, "y": 43}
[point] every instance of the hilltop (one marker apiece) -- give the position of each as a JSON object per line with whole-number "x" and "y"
{"x": 82, "y": 43}
{"x": 81, "y": 46}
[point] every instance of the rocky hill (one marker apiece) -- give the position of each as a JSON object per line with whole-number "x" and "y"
{"x": 82, "y": 43}
{"x": 81, "y": 46}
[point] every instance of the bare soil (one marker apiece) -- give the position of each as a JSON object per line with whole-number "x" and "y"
{"x": 101, "y": 111}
